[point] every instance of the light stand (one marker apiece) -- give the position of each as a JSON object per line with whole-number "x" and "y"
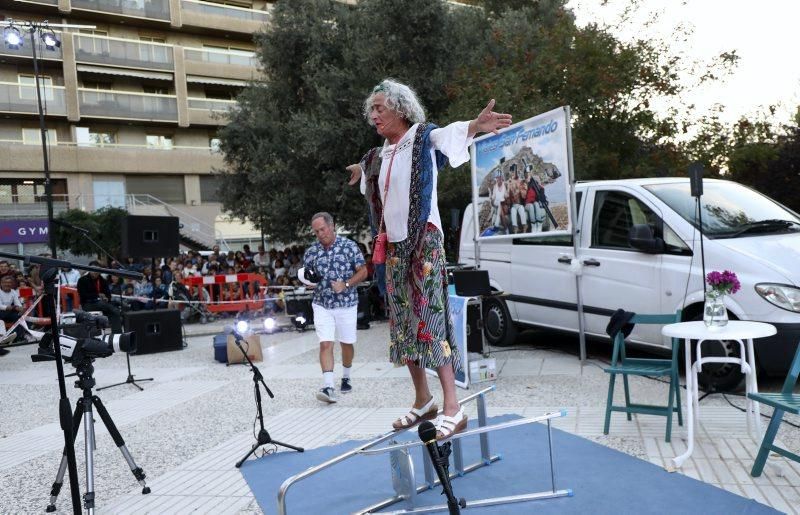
{"x": 51, "y": 267}
{"x": 696, "y": 188}
{"x": 11, "y": 29}
{"x": 263, "y": 437}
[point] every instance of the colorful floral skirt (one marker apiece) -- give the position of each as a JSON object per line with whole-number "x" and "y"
{"x": 420, "y": 326}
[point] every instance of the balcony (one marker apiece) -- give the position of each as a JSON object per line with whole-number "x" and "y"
{"x": 225, "y": 18}
{"x": 21, "y": 99}
{"x": 153, "y": 9}
{"x": 70, "y": 157}
{"x": 123, "y": 53}
{"x": 228, "y": 64}
{"x": 131, "y": 106}
{"x": 209, "y": 111}
{"x": 42, "y": 2}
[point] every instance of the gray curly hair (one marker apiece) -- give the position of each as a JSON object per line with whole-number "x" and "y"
{"x": 399, "y": 98}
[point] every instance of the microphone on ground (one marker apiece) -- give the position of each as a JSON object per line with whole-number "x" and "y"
{"x": 440, "y": 457}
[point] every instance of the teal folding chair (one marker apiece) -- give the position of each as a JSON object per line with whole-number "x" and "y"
{"x": 784, "y": 402}
{"x": 624, "y": 366}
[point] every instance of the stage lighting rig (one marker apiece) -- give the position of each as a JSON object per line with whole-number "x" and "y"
{"x": 12, "y": 37}
{"x": 300, "y": 322}
{"x": 242, "y": 326}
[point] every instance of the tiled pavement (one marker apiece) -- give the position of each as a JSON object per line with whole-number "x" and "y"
{"x": 208, "y": 482}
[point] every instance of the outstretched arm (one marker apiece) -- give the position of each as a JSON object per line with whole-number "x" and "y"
{"x": 488, "y": 121}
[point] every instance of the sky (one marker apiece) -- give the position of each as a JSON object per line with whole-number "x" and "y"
{"x": 764, "y": 34}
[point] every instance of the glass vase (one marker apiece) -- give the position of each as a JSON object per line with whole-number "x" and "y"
{"x": 714, "y": 313}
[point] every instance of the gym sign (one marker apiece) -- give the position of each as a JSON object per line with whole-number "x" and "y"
{"x": 23, "y": 231}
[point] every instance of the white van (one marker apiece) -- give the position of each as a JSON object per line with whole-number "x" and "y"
{"x": 638, "y": 249}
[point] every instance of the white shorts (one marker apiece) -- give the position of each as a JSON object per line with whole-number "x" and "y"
{"x": 338, "y": 322}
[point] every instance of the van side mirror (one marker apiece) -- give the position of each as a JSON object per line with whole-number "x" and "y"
{"x": 640, "y": 237}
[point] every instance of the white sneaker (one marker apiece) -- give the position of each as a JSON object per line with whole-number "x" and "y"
{"x": 8, "y": 338}
{"x": 327, "y": 394}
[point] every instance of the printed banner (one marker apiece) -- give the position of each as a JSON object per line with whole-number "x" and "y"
{"x": 521, "y": 180}
{"x": 23, "y": 231}
{"x": 458, "y": 310}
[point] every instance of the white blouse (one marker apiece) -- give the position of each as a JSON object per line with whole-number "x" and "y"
{"x": 451, "y": 140}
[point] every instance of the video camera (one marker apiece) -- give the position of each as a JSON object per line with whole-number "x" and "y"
{"x": 81, "y": 337}
{"x": 308, "y": 276}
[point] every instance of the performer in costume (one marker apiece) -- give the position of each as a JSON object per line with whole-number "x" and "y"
{"x": 421, "y": 330}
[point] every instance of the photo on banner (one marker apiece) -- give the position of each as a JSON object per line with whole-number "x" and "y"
{"x": 521, "y": 179}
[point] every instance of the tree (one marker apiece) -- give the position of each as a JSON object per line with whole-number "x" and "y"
{"x": 105, "y": 225}
{"x": 291, "y": 137}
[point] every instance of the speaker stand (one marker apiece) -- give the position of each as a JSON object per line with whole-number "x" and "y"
{"x": 130, "y": 379}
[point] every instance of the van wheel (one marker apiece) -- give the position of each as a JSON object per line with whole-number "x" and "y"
{"x": 718, "y": 377}
{"x": 498, "y": 328}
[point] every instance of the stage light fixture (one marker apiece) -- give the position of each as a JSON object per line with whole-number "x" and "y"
{"x": 300, "y": 322}
{"x": 269, "y": 324}
{"x": 12, "y": 37}
{"x": 50, "y": 40}
{"x": 242, "y": 326}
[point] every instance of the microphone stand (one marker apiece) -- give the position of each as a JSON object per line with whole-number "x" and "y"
{"x": 85, "y": 233}
{"x": 64, "y": 409}
{"x": 263, "y": 437}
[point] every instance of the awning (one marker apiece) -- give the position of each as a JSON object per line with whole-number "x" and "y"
{"x": 126, "y": 72}
{"x": 198, "y": 79}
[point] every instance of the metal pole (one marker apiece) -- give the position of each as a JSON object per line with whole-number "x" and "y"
{"x": 48, "y": 187}
{"x": 575, "y": 232}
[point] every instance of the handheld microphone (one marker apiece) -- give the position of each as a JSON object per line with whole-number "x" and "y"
{"x": 440, "y": 456}
{"x": 68, "y": 225}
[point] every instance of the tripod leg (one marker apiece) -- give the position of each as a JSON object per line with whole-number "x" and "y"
{"x": 293, "y": 447}
{"x": 62, "y": 467}
{"x": 251, "y": 451}
{"x": 89, "y": 447}
{"x": 138, "y": 473}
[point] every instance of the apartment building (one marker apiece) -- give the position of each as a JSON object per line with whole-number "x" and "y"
{"x": 132, "y": 106}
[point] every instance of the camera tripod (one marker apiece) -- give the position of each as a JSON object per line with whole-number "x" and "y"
{"x": 263, "y": 437}
{"x": 83, "y": 410}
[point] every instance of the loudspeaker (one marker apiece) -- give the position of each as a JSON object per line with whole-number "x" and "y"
{"x": 696, "y": 179}
{"x": 150, "y": 236}
{"x": 156, "y": 331}
{"x": 474, "y": 336}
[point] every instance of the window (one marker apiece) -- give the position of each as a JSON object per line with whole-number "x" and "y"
{"x": 32, "y": 136}
{"x": 616, "y": 212}
{"x": 167, "y": 188}
{"x": 220, "y": 94}
{"x": 96, "y": 45}
{"x": 155, "y": 53}
{"x": 108, "y": 192}
{"x": 87, "y": 137}
{"x": 160, "y": 141}
{"x": 209, "y": 188}
{"x": 155, "y": 90}
{"x": 97, "y": 85}
{"x": 27, "y": 87}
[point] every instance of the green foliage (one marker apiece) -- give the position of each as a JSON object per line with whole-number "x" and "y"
{"x": 292, "y": 136}
{"x": 105, "y": 223}
{"x": 770, "y": 165}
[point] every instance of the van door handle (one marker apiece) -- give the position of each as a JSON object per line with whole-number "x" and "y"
{"x": 591, "y": 262}
{"x": 565, "y": 259}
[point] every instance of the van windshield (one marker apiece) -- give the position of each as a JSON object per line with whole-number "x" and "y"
{"x": 730, "y": 210}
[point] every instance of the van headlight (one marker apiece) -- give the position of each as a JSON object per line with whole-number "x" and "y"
{"x": 784, "y": 296}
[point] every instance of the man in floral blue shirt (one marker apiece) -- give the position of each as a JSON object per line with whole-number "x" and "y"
{"x": 340, "y": 267}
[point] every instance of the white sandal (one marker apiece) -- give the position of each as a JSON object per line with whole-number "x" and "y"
{"x": 416, "y": 415}
{"x": 448, "y": 426}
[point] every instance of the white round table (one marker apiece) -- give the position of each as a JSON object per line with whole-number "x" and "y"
{"x": 737, "y": 330}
